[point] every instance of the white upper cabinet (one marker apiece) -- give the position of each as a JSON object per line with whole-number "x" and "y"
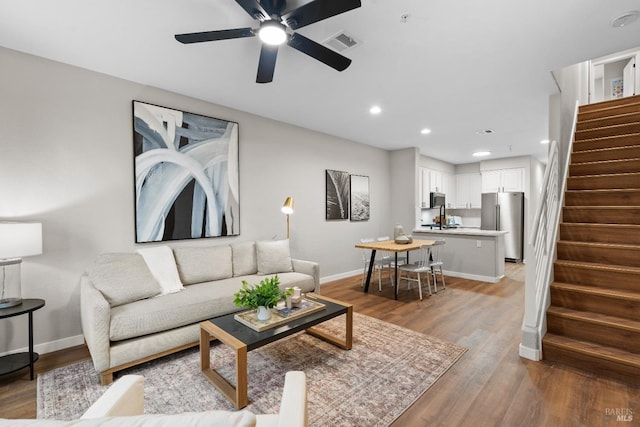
{"x": 424, "y": 188}
{"x": 503, "y": 180}
{"x": 468, "y": 191}
{"x": 435, "y": 181}
{"x": 442, "y": 182}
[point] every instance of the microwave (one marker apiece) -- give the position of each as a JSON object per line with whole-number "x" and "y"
{"x": 436, "y": 200}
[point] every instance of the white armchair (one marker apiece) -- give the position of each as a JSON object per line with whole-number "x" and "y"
{"x": 122, "y": 405}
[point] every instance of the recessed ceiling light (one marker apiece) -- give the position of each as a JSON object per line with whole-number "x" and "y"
{"x": 485, "y": 131}
{"x": 544, "y": 141}
{"x": 625, "y": 19}
{"x": 481, "y": 153}
{"x": 425, "y": 131}
{"x": 375, "y": 110}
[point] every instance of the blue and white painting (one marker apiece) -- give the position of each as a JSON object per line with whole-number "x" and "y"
{"x": 186, "y": 175}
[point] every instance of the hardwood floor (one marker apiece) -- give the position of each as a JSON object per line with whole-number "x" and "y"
{"x": 489, "y": 386}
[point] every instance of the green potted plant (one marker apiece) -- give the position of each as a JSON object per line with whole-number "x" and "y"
{"x": 261, "y": 297}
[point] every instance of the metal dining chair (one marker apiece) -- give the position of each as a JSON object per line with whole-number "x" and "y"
{"x": 436, "y": 262}
{"x": 379, "y": 264}
{"x": 422, "y": 265}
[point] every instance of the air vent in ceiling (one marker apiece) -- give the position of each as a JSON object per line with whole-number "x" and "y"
{"x": 341, "y": 41}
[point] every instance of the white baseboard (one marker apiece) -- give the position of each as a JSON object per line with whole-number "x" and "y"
{"x": 473, "y": 276}
{"x": 530, "y": 353}
{"x": 51, "y": 346}
{"x": 334, "y": 277}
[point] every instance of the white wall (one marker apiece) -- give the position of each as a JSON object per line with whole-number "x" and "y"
{"x": 66, "y": 159}
{"x": 404, "y": 189}
{"x": 573, "y": 82}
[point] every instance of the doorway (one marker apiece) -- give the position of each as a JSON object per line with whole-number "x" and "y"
{"x": 614, "y": 77}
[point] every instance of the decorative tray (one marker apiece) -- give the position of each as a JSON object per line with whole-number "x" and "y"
{"x": 278, "y": 316}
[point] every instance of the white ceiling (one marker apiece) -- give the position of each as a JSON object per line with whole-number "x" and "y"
{"x": 455, "y": 67}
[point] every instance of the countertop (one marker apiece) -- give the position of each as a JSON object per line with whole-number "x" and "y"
{"x": 460, "y": 231}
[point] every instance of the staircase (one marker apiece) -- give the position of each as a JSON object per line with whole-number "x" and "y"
{"x": 593, "y": 322}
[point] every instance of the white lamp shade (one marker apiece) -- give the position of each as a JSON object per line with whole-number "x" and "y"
{"x": 20, "y": 239}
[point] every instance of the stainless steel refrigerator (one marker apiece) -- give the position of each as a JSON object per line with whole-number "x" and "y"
{"x": 505, "y": 212}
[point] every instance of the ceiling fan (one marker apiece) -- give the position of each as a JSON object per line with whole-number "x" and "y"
{"x": 273, "y": 31}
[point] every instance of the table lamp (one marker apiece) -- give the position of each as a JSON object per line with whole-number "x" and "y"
{"x": 17, "y": 240}
{"x": 287, "y": 209}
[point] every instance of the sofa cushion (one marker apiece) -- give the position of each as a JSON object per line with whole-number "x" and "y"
{"x": 203, "y": 264}
{"x": 273, "y": 256}
{"x": 242, "y": 418}
{"x": 162, "y": 265}
{"x": 288, "y": 280}
{"x": 244, "y": 258}
{"x": 123, "y": 278}
{"x": 195, "y": 303}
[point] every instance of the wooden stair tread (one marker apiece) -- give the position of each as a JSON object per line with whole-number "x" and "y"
{"x": 601, "y": 245}
{"x": 618, "y": 208}
{"x": 631, "y": 227}
{"x": 591, "y": 349}
{"x": 608, "y": 149}
{"x": 615, "y": 115}
{"x": 597, "y": 266}
{"x": 599, "y": 291}
{"x": 604, "y": 190}
{"x": 622, "y": 175}
{"x": 595, "y": 318}
{"x": 609, "y": 104}
{"x": 605, "y": 162}
{"x": 613, "y": 136}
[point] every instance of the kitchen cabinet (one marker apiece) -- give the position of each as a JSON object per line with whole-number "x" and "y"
{"x": 438, "y": 182}
{"x": 424, "y": 187}
{"x": 468, "y": 191}
{"x": 435, "y": 181}
{"x": 503, "y": 180}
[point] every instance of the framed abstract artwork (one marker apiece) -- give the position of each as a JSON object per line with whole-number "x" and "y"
{"x": 186, "y": 175}
{"x": 337, "y": 194}
{"x": 359, "y": 198}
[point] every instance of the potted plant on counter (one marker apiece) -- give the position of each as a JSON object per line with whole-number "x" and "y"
{"x": 261, "y": 297}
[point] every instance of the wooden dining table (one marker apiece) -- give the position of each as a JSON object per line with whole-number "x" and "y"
{"x": 391, "y": 246}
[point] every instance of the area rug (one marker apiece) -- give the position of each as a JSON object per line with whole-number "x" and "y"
{"x": 388, "y": 368}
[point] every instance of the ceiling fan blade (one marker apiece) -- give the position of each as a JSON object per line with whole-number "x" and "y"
{"x": 208, "y": 36}
{"x": 317, "y": 10}
{"x": 267, "y": 63}
{"x": 319, "y": 52}
{"x": 254, "y": 9}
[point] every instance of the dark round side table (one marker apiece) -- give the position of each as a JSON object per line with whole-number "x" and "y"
{"x": 14, "y": 362}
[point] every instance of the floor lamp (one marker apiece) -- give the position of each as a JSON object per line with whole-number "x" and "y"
{"x": 17, "y": 240}
{"x": 287, "y": 209}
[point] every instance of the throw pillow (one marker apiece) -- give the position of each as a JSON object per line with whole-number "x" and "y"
{"x": 123, "y": 278}
{"x": 244, "y": 258}
{"x": 203, "y": 264}
{"x": 273, "y": 256}
{"x": 162, "y": 265}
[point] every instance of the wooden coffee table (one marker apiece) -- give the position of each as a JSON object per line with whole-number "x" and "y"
{"x": 242, "y": 339}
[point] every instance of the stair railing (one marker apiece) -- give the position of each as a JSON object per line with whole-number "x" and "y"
{"x": 541, "y": 247}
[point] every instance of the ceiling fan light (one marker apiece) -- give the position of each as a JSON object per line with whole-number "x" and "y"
{"x": 272, "y": 33}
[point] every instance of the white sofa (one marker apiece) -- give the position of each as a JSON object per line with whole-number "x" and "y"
{"x": 136, "y": 307}
{"x": 122, "y": 405}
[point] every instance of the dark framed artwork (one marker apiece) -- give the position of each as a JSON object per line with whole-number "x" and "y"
{"x": 186, "y": 175}
{"x": 359, "y": 198}
{"x": 337, "y": 194}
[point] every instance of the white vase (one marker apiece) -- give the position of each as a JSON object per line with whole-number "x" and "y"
{"x": 263, "y": 313}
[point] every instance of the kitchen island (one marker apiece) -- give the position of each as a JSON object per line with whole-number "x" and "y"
{"x": 470, "y": 253}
